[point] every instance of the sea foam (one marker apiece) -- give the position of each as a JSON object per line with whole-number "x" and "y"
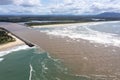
{"x": 1, "y": 59}
{"x": 17, "y": 48}
{"x": 85, "y": 32}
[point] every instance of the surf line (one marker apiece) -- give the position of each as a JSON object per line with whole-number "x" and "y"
{"x": 31, "y": 70}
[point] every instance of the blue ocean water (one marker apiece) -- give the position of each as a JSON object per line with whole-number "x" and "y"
{"x": 30, "y": 64}
{"x": 113, "y": 28}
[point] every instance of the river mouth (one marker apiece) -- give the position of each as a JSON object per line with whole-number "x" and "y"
{"x": 95, "y": 48}
{"x": 78, "y": 56}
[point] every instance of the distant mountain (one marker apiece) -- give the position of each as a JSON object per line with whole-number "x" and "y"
{"x": 109, "y": 14}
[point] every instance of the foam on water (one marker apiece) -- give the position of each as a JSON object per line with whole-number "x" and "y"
{"x": 1, "y": 59}
{"x": 31, "y": 64}
{"x": 85, "y": 32}
{"x": 44, "y": 67}
{"x": 17, "y": 48}
{"x": 31, "y": 70}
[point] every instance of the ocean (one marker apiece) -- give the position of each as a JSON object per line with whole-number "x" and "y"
{"x": 25, "y": 63}
{"x": 104, "y": 32}
{"x": 30, "y": 64}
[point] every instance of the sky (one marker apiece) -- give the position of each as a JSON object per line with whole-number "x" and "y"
{"x": 59, "y": 7}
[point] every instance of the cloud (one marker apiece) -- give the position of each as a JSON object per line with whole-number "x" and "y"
{"x": 30, "y": 3}
{"x": 74, "y": 7}
{"x": 87, "y": 6}
{"x": 110, "y": 6}
{"x": 20, "y": 2}
{"x": 6, "y": 2}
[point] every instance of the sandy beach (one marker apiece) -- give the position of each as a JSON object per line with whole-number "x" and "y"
{"x": 10, "y": 45}
{"x": 64, "y": 25}
{"x": 71, "y": 24}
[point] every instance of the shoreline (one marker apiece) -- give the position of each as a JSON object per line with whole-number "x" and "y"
{"x": 81, "y": 56}
{"x": 72, "y": 24}
{"x": 10, "y": 45}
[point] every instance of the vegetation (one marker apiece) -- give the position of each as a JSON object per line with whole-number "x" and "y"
{"x": 35, "y": 23}
{"x": 75, "y": 18}
{"x": 4, "y": 37}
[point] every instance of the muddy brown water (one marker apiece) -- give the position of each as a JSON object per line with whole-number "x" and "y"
{"x": 81, "y": 57}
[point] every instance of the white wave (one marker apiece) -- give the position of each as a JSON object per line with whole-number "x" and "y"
{"x": 31, "y": 70}
{"x": 1, "y": 59}
{"x": 57, "y": 78}
{"x": 86, "y": 33}
{"x": 17, "y": 48}
{"x": 83, "y": 76}
{"x": 44, "y": 66}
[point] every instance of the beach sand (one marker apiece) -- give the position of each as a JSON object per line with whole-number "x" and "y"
{"x": 71, "y": 24}
{"x": 10, "y": 45}
{"x": 64, "y": 25}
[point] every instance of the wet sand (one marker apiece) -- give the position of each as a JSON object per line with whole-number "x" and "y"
{"x": 80, "y": 56}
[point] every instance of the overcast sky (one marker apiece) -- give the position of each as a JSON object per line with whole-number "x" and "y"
{"x": 46, "y": 7}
